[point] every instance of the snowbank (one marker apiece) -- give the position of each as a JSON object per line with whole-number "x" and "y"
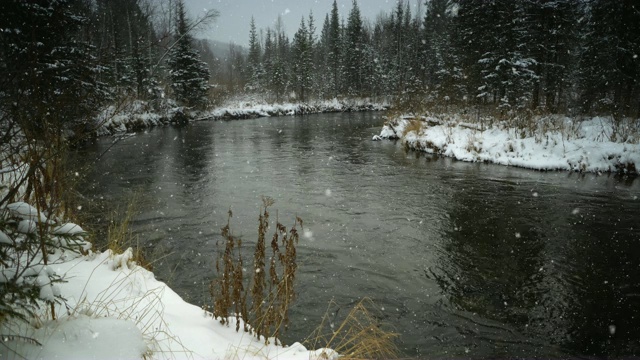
{"x": 115, "y": 309}
{"x": 106, "y": 306}
{"x": 239, "y": 109}
{"x": 134, "y": 116}
{"x": 564, "y": 144}
{"x": 139, "y": 115}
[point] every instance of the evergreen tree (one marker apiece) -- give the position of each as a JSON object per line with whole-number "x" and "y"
{"x": 354, "y": 52}
{"x": 438, "y": 47}
{"x": 610, "y": 70}
{"x": 553, "y": 39}
{"x": 325, "y": 75}
{"x": 49, "y": 72}
{"x": 300, "y": 61}
{"x": 493, "y": 45}
{"x": 312, "y": 61}
{"x": 255, "y": 66}
{"x": 279, "y": 76}
{"x": 334, "y": 56}
{"x": 268, "y": 61}
{"x": 188, "y": 74}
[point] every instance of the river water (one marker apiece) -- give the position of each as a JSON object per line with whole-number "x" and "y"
{"x": 462, "y": 259}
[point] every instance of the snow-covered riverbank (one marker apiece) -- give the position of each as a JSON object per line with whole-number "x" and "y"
{"x": 117, "y": 310}
{"x": 139, "y": 115}
{"x": 555, "y": 143}
{"x": 114, "y": 309}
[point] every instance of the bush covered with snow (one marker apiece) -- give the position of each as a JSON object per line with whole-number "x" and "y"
{"x": 29, "y": 239}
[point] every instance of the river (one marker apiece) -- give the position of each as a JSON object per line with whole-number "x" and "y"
{"x": 462, "y": 259}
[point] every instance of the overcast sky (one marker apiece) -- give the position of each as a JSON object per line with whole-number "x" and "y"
{"x": 235, "y": 15}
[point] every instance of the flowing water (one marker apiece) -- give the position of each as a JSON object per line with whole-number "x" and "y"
{"x": 462, "y": 259}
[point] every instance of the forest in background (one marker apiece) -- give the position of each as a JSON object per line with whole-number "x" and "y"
{"x": 567, "y": 56}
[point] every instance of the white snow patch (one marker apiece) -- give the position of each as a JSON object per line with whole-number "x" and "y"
{"x": 114, "y": 311}
{"x": 27, "y": 227}
{"x": 590, "y": 146}
{"x": 68, "y": 229}
{"x": 25, "y": 211}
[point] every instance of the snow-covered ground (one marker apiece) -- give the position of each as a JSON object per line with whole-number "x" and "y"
{"x": 117, "y": 310}
{"x": 139, "y": 115}
{"x": 243, "y": 109}
{"x": 107, "y": 307}
{"x": 554, "y": 143}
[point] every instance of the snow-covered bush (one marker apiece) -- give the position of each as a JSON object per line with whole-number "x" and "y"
{"x": 29, "y": 240}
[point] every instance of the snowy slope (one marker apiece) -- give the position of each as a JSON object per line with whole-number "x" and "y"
{"x": 117, "y": 310}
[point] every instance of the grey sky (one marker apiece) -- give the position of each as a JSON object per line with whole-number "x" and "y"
{"x": 235, "y": 15}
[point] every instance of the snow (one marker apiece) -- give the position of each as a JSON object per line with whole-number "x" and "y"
{"x": 587, "y": 146}
{"x": 115, "y": 309}
{"x": 27, "y": 227}
{"x": 25, "y": 211}
{"x": 84, "y": 337}
{"x": 140, "y": 115}
{"x": 246, "y": 109}
{"x": 4, "y": 239}
{"x": 68, "y": 229}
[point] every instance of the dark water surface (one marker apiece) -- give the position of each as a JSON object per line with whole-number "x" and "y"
{"x": 464, "y": 260}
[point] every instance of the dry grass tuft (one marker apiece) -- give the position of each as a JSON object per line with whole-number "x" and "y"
{"x": 120, "y": 236}
{"x": 258, "y": 299}
{"x": 359, "y": 336}
{"x": 414, "y": 125}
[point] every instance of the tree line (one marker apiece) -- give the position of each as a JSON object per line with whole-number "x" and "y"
{"x": 62, "y": 60}
{"x": 572, "y": 56}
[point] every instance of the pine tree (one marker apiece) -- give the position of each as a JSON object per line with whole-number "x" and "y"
{"x": 334, "y": 56}
{"x": 279, "y": 78}
{"x": 354, "y": 55}
{"x": 312, "y": 61}
{"x": 437, "y": 47}
{"x": 492, "y": 44}
{"x": 610, "y": 70}
{"x": 255, "y": 70}
{"x": 300, "y": 61}
{"x": 49, "y": 72}
{"x": 188, "y": 74}
{"x": 552, "y": 37}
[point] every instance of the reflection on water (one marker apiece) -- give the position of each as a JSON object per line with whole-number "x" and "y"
{"x": 466, "y": 260}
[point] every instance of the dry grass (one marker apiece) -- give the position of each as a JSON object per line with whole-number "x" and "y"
{"x": 414, "y": 125}
{"x": 257, "y": 299}
{"x": 359, "y": 336}
{"x": 120, "y": 237}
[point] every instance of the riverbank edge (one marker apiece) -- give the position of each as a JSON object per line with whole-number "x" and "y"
{"x": 108, "y": 295}
{"x": 552, "y": 143}
{"x": 139, "y": 115}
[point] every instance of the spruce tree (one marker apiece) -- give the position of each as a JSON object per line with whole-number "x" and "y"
{"x": 354, "y": 55}
{"x": 189, "y": 76}
{"x": 334, "y": 59}
{"x": 300, "y": 61}
{"x": 47, "y": 69}
{"x": 610, "y": 68}
{"x": 437, "y": 47}
{"x": 255, "y": 70}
